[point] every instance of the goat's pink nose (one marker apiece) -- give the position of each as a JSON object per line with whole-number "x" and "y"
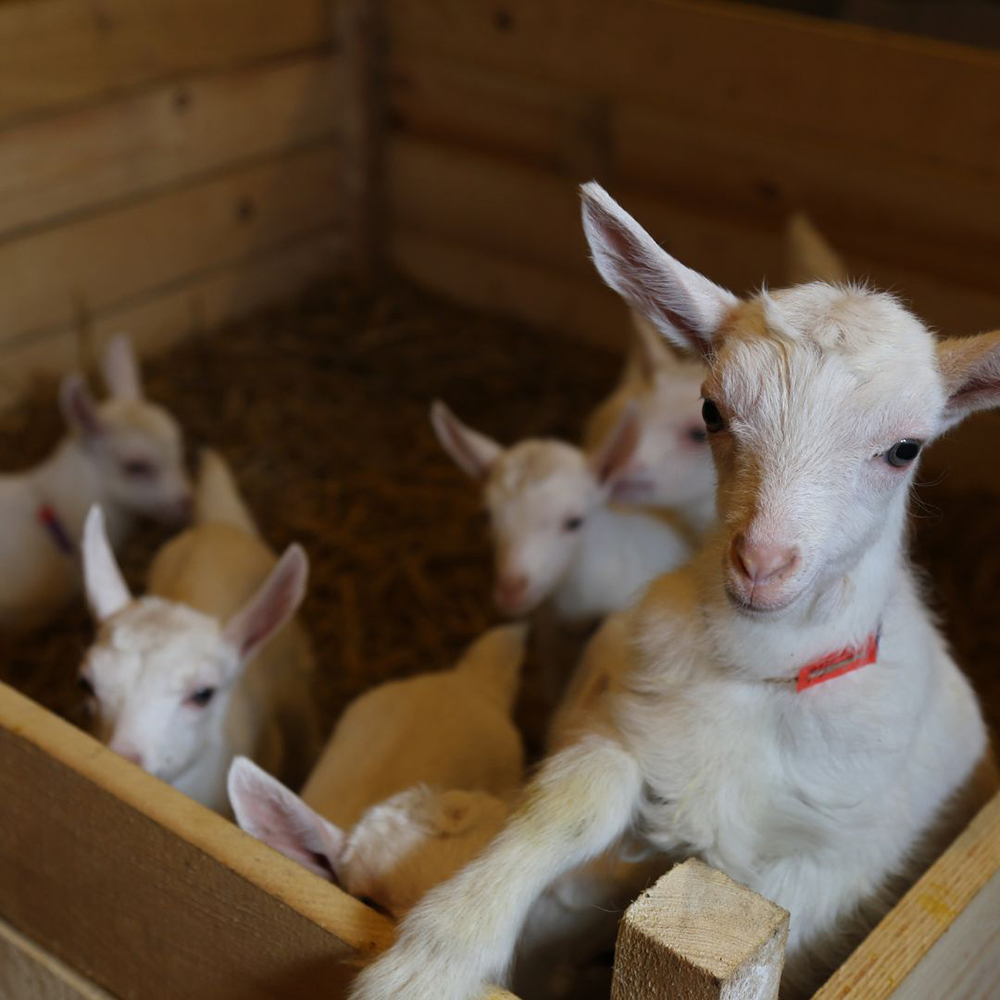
{"x": 128, "y": 752}
{"x": 762, "y": 561}
{"x": 511, "y": 590}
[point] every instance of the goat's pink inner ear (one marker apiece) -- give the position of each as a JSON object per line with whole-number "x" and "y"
{"x": 472, "y": 452}
{"x": 79, "y": 408}
{"x": 272, "y": 605}
{"x": 684, "y": 305}
{"x": 613, "y": 456}
{"x": 970, "y": 367}
{"x": 276, "y": 816}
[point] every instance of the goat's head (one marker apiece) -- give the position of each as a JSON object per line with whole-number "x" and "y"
{"x": 817, "y": 401}
{"x": 136, "y": 446}
{"x": 539, "y": 495}
{"x": 399, "y": 849}
{"x": 159, "y": 676}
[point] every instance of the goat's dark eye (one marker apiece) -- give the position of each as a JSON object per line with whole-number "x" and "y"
{"x": 698, "y": 434}
{"x": 86, "y": 686}
{"x": 903, "y": 452}
{"x": 138, "y": 468}
{"x": 713, "y": 419}
{"x": 201, "y": 697}
{"x": 572, "y": 524}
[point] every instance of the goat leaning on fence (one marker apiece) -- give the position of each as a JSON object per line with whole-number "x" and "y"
{"x": 783, "y": 707}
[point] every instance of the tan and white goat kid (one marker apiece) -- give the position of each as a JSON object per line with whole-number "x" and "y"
{"x": 412, "y": 784}
{"x": 784, "y": 707}
{"x": 671, "y": 466}
{"x": 125, "y": 454}
{"x": 208, "y": 664}
{"x": 557, "y": 538}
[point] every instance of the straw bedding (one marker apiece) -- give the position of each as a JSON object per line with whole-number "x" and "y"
{"x": 320, "y": 406}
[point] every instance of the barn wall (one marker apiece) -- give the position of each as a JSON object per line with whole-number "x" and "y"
{"x": 165, "y": 165}
{"x": 712, "y": 122}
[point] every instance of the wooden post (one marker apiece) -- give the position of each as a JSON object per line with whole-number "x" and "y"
{"x": 698, "y": 935}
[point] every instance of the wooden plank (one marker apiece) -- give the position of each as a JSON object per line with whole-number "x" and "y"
{"x": 497, "y": 283}
{"x": 698, "y": 934}
{"x": 61, "y": 52}
{"x": 909, "y": 935}
{"x": 148, "y": 893}
{"x": 83, "y": 159}
{"x": 361, "y": 28}
{"x": 91, "y": 264}
{"x": 505, "y": 209}
{"x": 838, "y": 84}
{"x": 964, "y": 963}
{"x": 28, "y": 972}
{"x": 156, "y": 321}
{"x": 868, "y": 200}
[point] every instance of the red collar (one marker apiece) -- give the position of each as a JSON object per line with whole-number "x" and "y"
{"x": 56, "y": 530}
{"x": 834, "y": 665}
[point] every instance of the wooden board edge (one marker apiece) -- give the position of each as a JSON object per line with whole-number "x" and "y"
{"x": 895, "y": 948}
{"x": 333, "y": 911}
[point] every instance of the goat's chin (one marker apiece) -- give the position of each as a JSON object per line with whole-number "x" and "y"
{"x": 762, "y": 610}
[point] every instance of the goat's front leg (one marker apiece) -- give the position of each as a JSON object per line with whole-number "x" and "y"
{"x": 463, "y": 933}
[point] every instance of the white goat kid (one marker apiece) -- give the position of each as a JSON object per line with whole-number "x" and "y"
{"x": 125, "y": 454}
{"x": 201, "y": 669}
{"x": 714, "y": 735}
{"x": 671, "y": 466}
{"x": 556, "y": 537}
{"x": 412, "y": 783}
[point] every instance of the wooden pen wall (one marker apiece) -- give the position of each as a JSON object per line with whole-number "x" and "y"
{"x": 165, "y": 165}
{"x": 712, "y": 123}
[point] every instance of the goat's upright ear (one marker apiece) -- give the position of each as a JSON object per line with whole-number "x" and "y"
{"x": 684, "y": 305}
{"x": 107, "y": 592}
{"x": 274, "y": 603}
{"x": 808, "y": 255}
{"x": 472, "y": 452}
{"x": 121, "y": 369}
{"x": 612, "y": 457}
{"x": 78, "y": 407}
{"x": 274, "y": 814}
{"x": 971, "y": 370}
{"x": 652, "y": 351}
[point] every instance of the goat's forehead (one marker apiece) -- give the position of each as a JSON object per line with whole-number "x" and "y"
{"x": 821, "y": 345}
{"x": 151, "y": 636}
{"x": 140, "y": 419}
{"x": 539, "y": 467}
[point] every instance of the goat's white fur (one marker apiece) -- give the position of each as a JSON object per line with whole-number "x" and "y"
{"x": 217, "y": 616}
{"x": 826, "y": 801}
{"x": 671, "y": 466}
{"x": 91, "y": 465}
{"x": 535, "y": 491}
{"x": 411, "y": 785}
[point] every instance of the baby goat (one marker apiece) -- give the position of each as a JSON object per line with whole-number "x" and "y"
{"x": 411, "y": 784}
{"x": 125, "y": 454}
{"x": 784, "y": 706}
{"x": 556, "y": 537}
{"x": 671, "y": 466}
{"x": 200, "y": 669}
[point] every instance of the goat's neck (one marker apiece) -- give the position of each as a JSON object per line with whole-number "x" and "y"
{"x": 840, "y": 612}
{"x": 70, "y": 484}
